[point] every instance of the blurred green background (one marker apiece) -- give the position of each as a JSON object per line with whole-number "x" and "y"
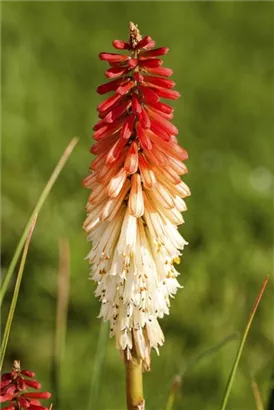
{"x": 222, "y": 56}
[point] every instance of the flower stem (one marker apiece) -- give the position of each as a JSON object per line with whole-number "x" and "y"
{"x": 134, "y": 385}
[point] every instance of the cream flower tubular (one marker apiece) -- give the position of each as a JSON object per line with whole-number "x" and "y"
{"x": 137, "y": 196}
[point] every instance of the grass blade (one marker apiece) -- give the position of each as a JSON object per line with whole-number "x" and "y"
{"x": 16, "y": 293}
{"x": 36, "y": 210}
{"x": 61, "y": 316}
{"x": 241, "y": 346}
{"x": 174, "y": 388}
{"x": 257, "y": 395}
{"x": 190, "y": 363}
{"x": 207, "y": 353}
{"x": 98, "y": 365}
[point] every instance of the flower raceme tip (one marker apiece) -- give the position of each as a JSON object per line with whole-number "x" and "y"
{"x": 137, "y": 197}
{"x": 14, "y": 390}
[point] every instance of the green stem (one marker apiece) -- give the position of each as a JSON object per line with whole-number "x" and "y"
{"x": 36, "y": 210}
{"x": 15, "y": 294}
{"x": 240, "y": 349}
{"x": 134, "y": 385}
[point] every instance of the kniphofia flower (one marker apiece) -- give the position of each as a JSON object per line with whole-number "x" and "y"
{"x": 15, "y": 390}
{"x": 137, "y": 197}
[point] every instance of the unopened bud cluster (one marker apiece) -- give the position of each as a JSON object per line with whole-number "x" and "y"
{"x": 15, "y": 390}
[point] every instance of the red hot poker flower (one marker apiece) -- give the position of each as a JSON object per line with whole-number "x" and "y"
{"x": 14, "y": 390}
{"x": 137, "y": 195}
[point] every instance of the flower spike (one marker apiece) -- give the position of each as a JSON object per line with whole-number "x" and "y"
{"x": 137, "y": 195}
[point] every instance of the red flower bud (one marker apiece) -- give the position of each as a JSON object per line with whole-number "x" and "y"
{"x": 115, "y": 72}
{"x": 6, "y": 376}
{"x": 112, "y": 57}
{"x": 23, "y": 402}
{"x": 6, "y": 397}
{"x": 164, "y": 72}
{"x": 33, "y": 383}
{"x": 37, "y": 395}
{"x": 145, "y": 42}
{"x": 28, "y": 373}
{"x": 156, "y": 52}
{"x": 120, "y": 45}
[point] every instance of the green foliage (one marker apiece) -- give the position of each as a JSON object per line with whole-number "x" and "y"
{"x": 221, "y": 53}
